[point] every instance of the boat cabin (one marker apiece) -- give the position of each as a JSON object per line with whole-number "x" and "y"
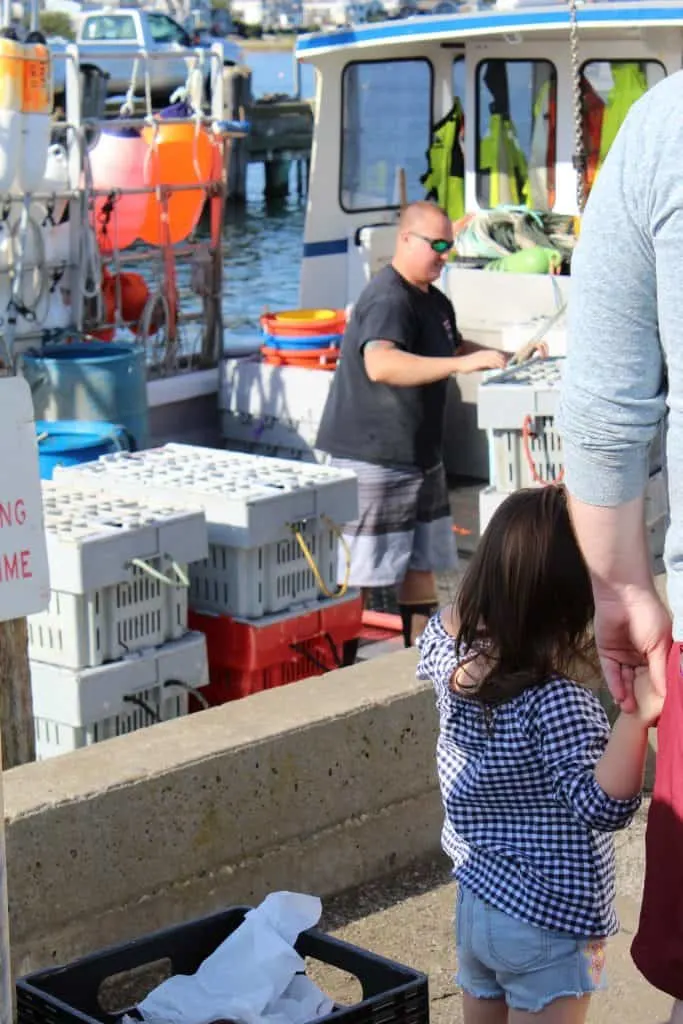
{"x": 488, "y": 111}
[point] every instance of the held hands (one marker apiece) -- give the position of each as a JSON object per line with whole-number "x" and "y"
{"x": 631, "y": 629}
{"x": 649, "y": 702}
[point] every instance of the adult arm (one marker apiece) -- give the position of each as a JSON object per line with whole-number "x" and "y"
{"x": 386, "y": 363}
{"x": 622, "y": 305}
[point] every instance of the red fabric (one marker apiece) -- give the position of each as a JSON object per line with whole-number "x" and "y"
{"x": 657, "y": 949}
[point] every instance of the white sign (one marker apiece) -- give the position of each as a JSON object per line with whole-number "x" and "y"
{"x": 24, "y": 575}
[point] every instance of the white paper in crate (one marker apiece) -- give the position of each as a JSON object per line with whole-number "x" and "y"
{"x": 253, "y": 976}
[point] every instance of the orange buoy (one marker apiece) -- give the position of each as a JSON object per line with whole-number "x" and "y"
{"x": 108, "y": 307}
{"x": 134, "y": 298}
{"x": 117, "y": 161}
{"x": 177, "y": 154}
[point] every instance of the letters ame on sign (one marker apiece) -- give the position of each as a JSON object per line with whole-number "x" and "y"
{"x": 24, "y": 577}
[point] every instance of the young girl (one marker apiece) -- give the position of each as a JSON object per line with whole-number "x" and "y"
{"x": 532, "y": 781}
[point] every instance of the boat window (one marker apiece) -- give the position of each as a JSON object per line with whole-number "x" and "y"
{"x": 110, "y": 28}
{"x": 608, "y": 89}
{"x": 386, "y": 120}
{"x": 516, "y": 133}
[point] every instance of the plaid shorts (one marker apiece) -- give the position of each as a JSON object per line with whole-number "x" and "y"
{"x": 404, "y": 523}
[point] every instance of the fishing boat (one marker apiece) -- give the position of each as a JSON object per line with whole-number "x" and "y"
{"x": 503, "y": 113}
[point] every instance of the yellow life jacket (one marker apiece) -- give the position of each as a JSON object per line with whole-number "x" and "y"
{"x": 539, "y": 193}
{"x": 445, "y": 179}
{"x": 502, "y": 159}
{"x": 629, "y": 84}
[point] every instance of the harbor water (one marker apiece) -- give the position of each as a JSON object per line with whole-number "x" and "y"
{"x": 263, "y": 238}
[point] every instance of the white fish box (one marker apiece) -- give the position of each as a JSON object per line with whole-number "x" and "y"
{"x": 118, "y": 576}
{"x": 74, "y": 709}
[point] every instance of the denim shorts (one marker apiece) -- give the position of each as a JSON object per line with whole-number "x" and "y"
{"x": 500, "y": 957}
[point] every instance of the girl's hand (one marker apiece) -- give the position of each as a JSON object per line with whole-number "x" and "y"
{"x": 649, "y": 702}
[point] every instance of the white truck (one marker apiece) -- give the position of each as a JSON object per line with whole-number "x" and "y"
{"x": 111, "y": 39}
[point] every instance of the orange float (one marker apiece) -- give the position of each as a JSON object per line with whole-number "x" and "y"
{"x": 117, "y": 161}
{"x": 134, "y": 298}
{"x": 108, "y": 307}
{"x": 177, "y": 154}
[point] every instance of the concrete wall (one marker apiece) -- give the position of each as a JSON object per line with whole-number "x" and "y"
{"x": 314, "y": 787}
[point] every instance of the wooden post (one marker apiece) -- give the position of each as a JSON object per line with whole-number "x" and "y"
{"x": 16, "y": 706}
{"x": 401, "y": 187}
{"x": 6, "y": 986}
{"x": 237, "y": 104}
{"x": 277, "y": 177}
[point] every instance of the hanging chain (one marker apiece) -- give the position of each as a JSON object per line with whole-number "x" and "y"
{"x": 579, "y": 159}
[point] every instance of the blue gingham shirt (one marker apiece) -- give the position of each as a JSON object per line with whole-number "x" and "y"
{"x": 526, "y": 824}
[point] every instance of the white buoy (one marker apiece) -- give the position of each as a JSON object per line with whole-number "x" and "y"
{"x": 11, "y": 94}
{"x": 36, "y": 109}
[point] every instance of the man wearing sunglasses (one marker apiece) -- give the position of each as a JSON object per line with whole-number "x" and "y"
{"x": 384, "y": 417}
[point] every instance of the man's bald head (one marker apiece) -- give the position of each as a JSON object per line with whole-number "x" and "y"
{"x": 420, "y": 225}
{"x": 422, "y": 215}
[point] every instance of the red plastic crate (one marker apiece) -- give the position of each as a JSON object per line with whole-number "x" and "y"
{"x": 247, "y": 657}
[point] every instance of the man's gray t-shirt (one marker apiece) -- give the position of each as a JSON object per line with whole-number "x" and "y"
{"x": 625, "y": 346}
{"x": 379, "y": 423}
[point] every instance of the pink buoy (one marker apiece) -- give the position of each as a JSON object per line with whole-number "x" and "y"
{"x": 118, "y": 161}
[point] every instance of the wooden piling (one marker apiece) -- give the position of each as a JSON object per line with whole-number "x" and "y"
{"x": 277, "y": 177}
{"x": 237, "y": 104}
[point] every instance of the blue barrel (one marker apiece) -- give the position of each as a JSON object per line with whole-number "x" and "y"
{"x": 69, "y": 442}
{"x": 90, "y": 381}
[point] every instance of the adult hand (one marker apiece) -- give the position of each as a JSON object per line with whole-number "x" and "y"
{"x": 483, "y": 359}
{"x": 632, "y": 628}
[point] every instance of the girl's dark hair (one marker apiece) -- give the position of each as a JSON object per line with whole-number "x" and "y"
{"x": 526, "y": 594}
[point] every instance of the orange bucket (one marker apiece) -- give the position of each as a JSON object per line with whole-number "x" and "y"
{"x": 308, "y": 322}
{"x": 312, "y": 359}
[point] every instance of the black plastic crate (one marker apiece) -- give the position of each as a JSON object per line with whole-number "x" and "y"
{"x": 392, "y": 993}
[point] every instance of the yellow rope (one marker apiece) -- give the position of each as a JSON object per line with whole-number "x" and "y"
{"x": 301, "y": 541}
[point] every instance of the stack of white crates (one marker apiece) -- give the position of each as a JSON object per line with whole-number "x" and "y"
{"x": 258, "y": 511}
{"x": 273, "y": 410}
{"x": 517, "y": 407}
{"x": 112, "y": 652}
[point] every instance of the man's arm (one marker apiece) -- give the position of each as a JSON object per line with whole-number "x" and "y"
{"x": 612, "y": 403}
{"x": 386, "y": 363}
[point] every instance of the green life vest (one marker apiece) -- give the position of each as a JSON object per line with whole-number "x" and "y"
{"x": 445, "y": 180}
{"x": 502, "y": 159}
{"x": 629, "y": 84}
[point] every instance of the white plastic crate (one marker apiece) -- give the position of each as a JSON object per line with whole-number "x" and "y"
{"x": 74, "y": 709}
{"x": 118, "y": 576}
{"x": 518, "y": 409}
{"x": 248, "y": 500}
{"x": 261, "y": 581}
{"x": 523, "y": 395}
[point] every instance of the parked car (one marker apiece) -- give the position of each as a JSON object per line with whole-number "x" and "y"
{"x": 111, "y": 39}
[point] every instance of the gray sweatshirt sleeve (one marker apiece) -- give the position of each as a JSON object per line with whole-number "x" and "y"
{"x": 626, "y": 302}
